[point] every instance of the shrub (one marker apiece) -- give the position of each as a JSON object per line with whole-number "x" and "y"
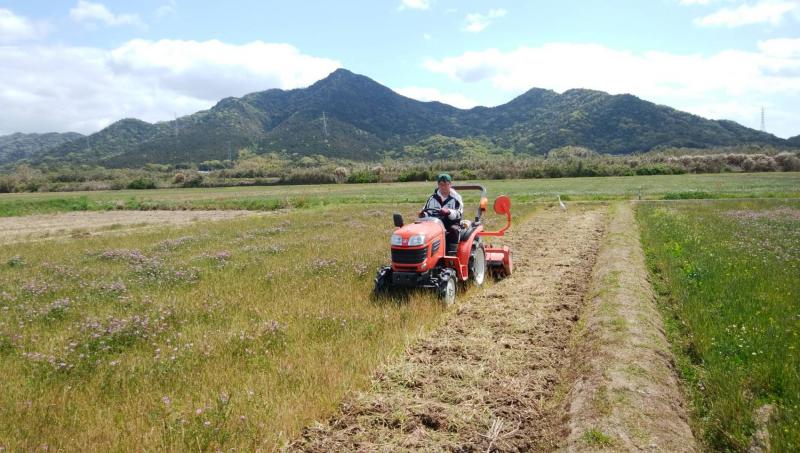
{"x": 8, "y": 184}
{"x": 466, "y": 174}
{"x": 340, "y": 174}
{"x": 142, "y": 183}
{"x": 788, "y": 161}
{"x": 415, "y": 175}
{"x": 363, "y": 176}
{"x": 179, "y": 178}
{"x": 308, "y": 176}
{"x": 195, "y": 180}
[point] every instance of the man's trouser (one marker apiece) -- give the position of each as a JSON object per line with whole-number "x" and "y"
{"x": 453, "y": 232}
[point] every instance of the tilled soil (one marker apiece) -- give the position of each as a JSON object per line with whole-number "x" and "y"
{"x": 495, "y": 375}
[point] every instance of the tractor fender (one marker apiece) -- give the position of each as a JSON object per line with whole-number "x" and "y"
{"x": 464, "y": 252}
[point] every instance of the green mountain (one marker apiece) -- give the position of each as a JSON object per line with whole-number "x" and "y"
{"x": 20, "y": 146}
{"x": 794, "y": 141}
{"x": 346, "y": 115}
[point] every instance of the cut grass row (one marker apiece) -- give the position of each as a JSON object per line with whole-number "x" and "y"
{"x": 760, "y": 185}
{"x": 727, "y": 277}
{"x": 224, "y": 335}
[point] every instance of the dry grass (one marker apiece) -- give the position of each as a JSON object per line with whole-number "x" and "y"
{"x": 221, "y": 335}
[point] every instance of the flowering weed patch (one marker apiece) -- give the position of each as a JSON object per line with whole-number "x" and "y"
{"x": 727, "y": 277}
{"x": 214, "y": 336}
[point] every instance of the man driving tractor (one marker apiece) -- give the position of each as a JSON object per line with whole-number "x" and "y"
{"x": 446, "y": 204}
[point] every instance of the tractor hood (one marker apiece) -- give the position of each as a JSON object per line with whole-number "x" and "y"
{"x": 429, "y": 229}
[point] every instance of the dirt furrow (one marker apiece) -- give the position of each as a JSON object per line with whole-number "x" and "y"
{"x": 626, "y": 396}
{"x": 493, "y": 377}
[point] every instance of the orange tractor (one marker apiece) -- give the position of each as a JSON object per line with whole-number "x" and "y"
{"x": 421, "y": 259}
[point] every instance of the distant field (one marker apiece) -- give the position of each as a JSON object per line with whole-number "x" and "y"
{"x": 762, "y": 185}
{"x": 728, "y": 275}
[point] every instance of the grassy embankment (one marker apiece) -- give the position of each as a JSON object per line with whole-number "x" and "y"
{"x": 763, "y": 185}
{"x": 727, "y": 277}
{"x": 220, "y": 335}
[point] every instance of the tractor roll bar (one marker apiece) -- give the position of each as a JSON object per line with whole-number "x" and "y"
{"x": 484, "y": 199}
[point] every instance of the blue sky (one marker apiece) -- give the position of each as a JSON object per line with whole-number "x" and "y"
{"x": 79, "y": 65}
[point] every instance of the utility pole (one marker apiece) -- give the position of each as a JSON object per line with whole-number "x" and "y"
{"x": 763, "y": 122}
{"x": 324, "y": 124}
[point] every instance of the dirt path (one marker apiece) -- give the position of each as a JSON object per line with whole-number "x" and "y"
{"x": 626, "y": 396}
{"x": 41, "y": 226}
{"x": 495, "y": 375}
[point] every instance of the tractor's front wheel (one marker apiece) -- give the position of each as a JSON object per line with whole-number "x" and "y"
{"x": 383, "y": 281}
{"x": 447, "y": 292}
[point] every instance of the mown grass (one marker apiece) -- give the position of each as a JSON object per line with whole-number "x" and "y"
{"x": 224, "y": 335}
{"x": 727, "y": 277}
{"x": 762, "y": 185}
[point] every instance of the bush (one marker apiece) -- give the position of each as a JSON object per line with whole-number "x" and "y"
{"x": 8, "y": 184}
{"x": 788, "y": 161}
{"x": 179, "y": 178}
{"x": 415, "y": 175}
{"x": 195, "y": 180}
{"x": 340, "y": 174}
{"x": 466, "y": 174}
{"x": 142, "y": 183}
{"x": 363, "y": 176}
{"x": 308, "y": 176}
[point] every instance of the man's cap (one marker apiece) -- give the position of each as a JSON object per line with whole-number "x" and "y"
{"x": 444, "y": 177}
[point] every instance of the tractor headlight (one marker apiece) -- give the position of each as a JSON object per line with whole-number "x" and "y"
{"x": 397, "y": 239}
{"x": 417, "y": 239}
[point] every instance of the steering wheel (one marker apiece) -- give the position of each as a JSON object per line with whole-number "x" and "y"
{"x": 431, "y": 212}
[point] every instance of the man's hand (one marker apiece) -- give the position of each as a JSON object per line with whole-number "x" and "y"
{"x": 445, "y": 211}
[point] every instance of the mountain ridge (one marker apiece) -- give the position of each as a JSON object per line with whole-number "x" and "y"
{"x": 17, "y": 146}
{"x": 350, "y": 116}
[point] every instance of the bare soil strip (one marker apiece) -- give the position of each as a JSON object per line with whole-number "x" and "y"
{"x": 626, "y": 397}
{"x": 15, "y": 229}
{"x": 494, "y": 376}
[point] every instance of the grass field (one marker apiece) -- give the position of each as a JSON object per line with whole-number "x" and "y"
{"x": 226, "y": 335}
{"x": 238, "y": 333}
{"x": 274, "y": 197}
{"x": 728, "y": 277}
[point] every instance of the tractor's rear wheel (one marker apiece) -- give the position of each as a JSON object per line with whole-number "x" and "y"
{"x": 478, "y": 265}
{"x": 447, "y": 292}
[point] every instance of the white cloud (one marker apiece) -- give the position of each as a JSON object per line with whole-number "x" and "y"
{"x": 432, "y": 94}
{"x": 683, "y": 81}
{"x": 150, "y": 80}
{"x": 166, "y": 9}
{"x": 15, "y": 28}
{"x": 781, "y": 48}
{"x": 93, "y": 13}
{"x": 695, "y": 2}
{"x": 427, "y": 36}
{"x": 476, "y": 22}
{"x": 765, "y": 11}
{"x": 414, "y": 4}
